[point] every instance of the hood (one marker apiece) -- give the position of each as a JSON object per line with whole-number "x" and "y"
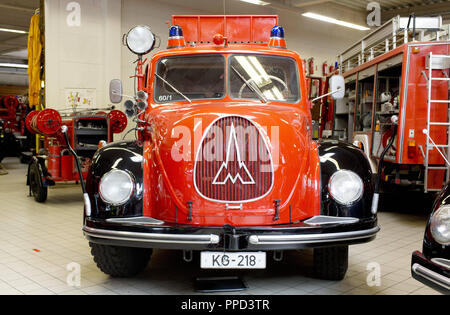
{"x": 236, "y": 162}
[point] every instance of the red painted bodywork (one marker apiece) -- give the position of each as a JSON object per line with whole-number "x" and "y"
{"x": 169, "y": 184}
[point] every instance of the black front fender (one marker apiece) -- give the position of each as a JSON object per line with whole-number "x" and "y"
{"x": 126, "y": 156}
{"x": 335, "y": 156}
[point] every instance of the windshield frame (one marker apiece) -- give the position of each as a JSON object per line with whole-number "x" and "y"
{"x": 230, "y": 56}
{"x": 155, "y": 78}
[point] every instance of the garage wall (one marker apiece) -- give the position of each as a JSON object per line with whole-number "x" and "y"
{"x": 155, "y": 14}
{"x": 83, "y": 52}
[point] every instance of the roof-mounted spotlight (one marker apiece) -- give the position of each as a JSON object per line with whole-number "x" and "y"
{"x": 176, "y": 38}
{"x": 277, "y": 37}
{"x": 140, "y": 40}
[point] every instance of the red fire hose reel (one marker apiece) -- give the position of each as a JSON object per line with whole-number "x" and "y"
{"x": 118, "y": 121}
{"x": 45, "y": 122}
{"x": 49, "y": 122}
{"x": 11, "y": 103}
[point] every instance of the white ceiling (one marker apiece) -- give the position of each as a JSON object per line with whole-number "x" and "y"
{"x": 16, "y": 14}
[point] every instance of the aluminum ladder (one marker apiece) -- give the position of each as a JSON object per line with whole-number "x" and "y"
{"x": 442, "y": 63}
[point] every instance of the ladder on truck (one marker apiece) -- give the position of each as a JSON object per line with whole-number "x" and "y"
{"x": 437, "y": 63}
{"x": 391, "y": 35}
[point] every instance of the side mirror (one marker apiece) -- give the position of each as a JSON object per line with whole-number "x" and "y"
{"x": 337, "y": 85}
{"x": 115, "y": 91}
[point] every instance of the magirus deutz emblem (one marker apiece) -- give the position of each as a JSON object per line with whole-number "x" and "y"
{"x": 233, "y": 163}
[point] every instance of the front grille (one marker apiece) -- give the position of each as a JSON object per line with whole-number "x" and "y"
{"x": 233, "y": 163}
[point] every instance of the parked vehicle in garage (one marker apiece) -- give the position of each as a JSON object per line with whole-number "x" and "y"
{"x": 54, "y": 162}
{"x": 401, "y": 68}
{"x": 432, "y": 265}
{"x": 12, "y": 126}
{"x": 224, "y": 162}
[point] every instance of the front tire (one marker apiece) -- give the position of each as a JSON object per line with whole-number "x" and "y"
{"x": 331, "y": 263}
{"x": 119, "y": 261}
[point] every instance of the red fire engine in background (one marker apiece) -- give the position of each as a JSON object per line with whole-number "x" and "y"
{"x": 398, "y": 74}
{"x": 12, "y": 125}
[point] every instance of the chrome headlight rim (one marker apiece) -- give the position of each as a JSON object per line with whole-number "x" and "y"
{"x": 129, "y": 195}
{"x": 436, "y": 221}
{"x": 336, "y": 198}
{"x": 148, "y": 47}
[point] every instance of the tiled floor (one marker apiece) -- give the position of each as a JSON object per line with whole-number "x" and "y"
{"x": 39, "y": 241}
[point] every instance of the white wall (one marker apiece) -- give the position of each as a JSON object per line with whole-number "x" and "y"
{"x": 85, "y": 56}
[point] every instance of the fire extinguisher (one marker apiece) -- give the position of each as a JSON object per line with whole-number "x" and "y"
{"x": 311, "y": 66}
{"x": 54, "y": 161}
{"x": 325, "y": 68}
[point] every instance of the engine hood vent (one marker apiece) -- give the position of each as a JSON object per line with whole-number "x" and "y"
{"x": 233, "y": 163}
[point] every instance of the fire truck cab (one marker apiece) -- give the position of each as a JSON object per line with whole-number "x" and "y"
{"x": 224, "y": 161}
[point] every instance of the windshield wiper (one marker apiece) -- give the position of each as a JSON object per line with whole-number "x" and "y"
{"x": 173, "y": 88}
{"x": 251, "y": 86}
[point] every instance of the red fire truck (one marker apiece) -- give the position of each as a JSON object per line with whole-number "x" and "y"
{"x": 12, "y": 125}
{"x": 399, "y": 75}
{"x": 224, "y": 163}
{"x": 86, "y": 131}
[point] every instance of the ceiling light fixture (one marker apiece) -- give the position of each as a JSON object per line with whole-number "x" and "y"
{"x": 13, "y": 65}
{"x": 258, "y": 2}
{"x": 334, "y": 21}
{"x": 9, "y": 30}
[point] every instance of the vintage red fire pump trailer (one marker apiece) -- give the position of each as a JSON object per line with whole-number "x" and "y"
{"x": 225, "y": 162}
{"x": 86, "y": 131}
{"x": 397, "y": 88}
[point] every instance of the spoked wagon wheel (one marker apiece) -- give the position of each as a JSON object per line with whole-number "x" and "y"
{"x": 36, "y": 184}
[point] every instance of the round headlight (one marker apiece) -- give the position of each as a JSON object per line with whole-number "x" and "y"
{"x": 140, "y": 40}
{"x": 346, "y": 187}
{"x": 116, "y": 187}
{"x": 440, "y": 225}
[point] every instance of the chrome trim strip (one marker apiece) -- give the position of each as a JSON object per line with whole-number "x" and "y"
{"x": 323, "y": 220}
{"x": 152, "y": 237}
{"x": 431, "y": 275}
{"x": 136, "y": 221}
{"x": 87, "y": 204}
{"x": 311, "y": 238}
{"x": 375, "y": 200}
{"x": 442, "y": 262}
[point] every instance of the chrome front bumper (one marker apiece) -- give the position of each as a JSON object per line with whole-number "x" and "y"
{"x": 434, "y": 273}
{"x": 311, "y": 238}
{"x": 152, "y": 233}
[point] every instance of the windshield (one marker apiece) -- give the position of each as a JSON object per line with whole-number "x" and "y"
{"x": 267, "y": 78}
{"x": 194, "y": 77}
{"x": 202, "y": 77}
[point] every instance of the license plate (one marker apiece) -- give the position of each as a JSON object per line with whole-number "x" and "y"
{"x": 239, "y": 260}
